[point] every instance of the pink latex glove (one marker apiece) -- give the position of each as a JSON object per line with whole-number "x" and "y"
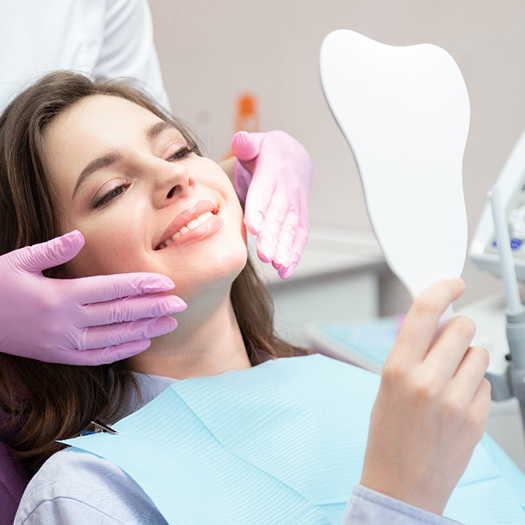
{"x": 273, "y": 174}
{"x": 88, "y": 321}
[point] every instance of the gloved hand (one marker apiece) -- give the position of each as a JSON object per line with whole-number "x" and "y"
{"x": 273, "y": 174}
{"x": 88, "y": 321}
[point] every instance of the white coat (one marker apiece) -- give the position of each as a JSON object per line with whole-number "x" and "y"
{"x": 105, "y": 38}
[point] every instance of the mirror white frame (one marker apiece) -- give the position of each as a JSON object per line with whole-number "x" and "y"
{"x": 405, "y": 112}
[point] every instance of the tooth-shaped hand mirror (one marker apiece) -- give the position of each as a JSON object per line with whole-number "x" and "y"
{"x": 405, "y": 113}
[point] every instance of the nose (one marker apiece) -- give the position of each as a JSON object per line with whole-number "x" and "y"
{"x": 172, "y": 181}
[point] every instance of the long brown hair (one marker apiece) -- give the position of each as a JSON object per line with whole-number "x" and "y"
{"x": 44, "y": 401}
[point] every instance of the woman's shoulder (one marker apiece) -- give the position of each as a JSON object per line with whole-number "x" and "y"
{"x": 77, "y": 487}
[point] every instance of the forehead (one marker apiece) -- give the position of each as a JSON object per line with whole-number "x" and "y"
{"x": 92, "y": 127}
{"x": 107, "y": 117}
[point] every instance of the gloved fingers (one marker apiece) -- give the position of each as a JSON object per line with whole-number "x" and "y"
{"x": 104, "y": 356}
{"x": 116, "y": 334}
{"x": 301, "y": 238}
{"x": 48, "y": 254}
{"x": 103, "y": 288}
{"x": 246, "y": 146}
{"x": 269, "y": 233}
{"x": 258, "y": 201}
{"x": 285, "y": 241}
{"x": 130, "y": 309}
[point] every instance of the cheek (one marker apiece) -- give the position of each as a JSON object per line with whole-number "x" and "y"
{"x": 108, "y": 250}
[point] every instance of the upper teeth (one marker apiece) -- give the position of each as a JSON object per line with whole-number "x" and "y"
{"x": 192, "y": 224}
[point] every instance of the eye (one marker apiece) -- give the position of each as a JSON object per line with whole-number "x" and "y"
{"x": 181, "y": 153}
{"x": 111, "y": 195}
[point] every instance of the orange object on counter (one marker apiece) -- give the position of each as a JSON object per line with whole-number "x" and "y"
{"x": 246, "y": 115}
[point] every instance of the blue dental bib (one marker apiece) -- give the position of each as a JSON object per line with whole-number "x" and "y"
{"x": 280, "y": 443}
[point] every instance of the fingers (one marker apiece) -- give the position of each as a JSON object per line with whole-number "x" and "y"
{"x": 258, "y": 200}
{"x": 285, "y": 241}
{"x": 282, "y": 237}
{"x": 452, "y": 345}
{"x": 103, "y": 288}
{"x": 270, "y": 231}
{"x": 471, "y": 372}
{"x": 480, "y": 407}
{"x": 276, "y": 208}
{"x": 48, "y": 254}
{"x": 116, "y": 334}
{"x": 246, "y": 146}
{"x": 110, "y": 354}
{"x": 301, "y": 238}
{"x": 131, "y": 309}
{"x": 419, "y": 329}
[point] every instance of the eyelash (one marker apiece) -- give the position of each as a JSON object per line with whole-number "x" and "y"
{"x": 115, "y": 192}
{"x": 180, "y": 154}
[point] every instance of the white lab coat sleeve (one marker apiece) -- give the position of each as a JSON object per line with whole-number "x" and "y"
{"x": 367, "y": 507}
{"x": 128, "y": 49}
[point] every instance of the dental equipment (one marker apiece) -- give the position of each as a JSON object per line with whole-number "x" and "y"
{"x": 510, "y": 381}
{"x": 405, "y": 114}
{"x": 511, "y": 182}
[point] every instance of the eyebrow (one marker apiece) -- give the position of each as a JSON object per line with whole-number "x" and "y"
{"x": 111, "y": 158}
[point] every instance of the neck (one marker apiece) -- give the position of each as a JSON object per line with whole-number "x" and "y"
{"x": 208, "y": 345}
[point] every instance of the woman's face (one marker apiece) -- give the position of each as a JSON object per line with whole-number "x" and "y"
{"x": 144, "y": 203}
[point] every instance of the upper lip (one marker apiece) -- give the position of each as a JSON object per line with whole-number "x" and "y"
{"x": 185, "y": 216}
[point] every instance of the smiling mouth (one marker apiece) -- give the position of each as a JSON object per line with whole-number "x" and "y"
{"x": 191, "y": 225}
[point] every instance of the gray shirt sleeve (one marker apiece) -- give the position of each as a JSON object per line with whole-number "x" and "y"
{"x": 81, "y": 488}
{"x": 367, "y": 507}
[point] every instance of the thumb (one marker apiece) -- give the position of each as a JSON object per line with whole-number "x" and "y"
{"x": 48, "y": 254}
{"x": 246, "y": 146}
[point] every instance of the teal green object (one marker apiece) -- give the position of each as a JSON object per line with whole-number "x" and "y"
{"x": 280, "y": 443}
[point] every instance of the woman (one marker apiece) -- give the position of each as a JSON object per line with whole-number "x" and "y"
{"x": 110, "y": 39}
{"x": 105, "y": 160}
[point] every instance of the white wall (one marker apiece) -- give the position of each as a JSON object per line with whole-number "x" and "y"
{"x": 210, "y": 51}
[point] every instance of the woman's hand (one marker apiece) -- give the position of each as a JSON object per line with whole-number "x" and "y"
{"x": 89, "y": 321}
{"x": 432, "y": 405}
{"x": 273, "y": 174}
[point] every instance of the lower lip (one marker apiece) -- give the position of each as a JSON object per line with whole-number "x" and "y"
{"x": 201, "y": 232}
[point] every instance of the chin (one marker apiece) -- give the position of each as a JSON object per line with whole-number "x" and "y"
{"x": 214, "y": 278}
